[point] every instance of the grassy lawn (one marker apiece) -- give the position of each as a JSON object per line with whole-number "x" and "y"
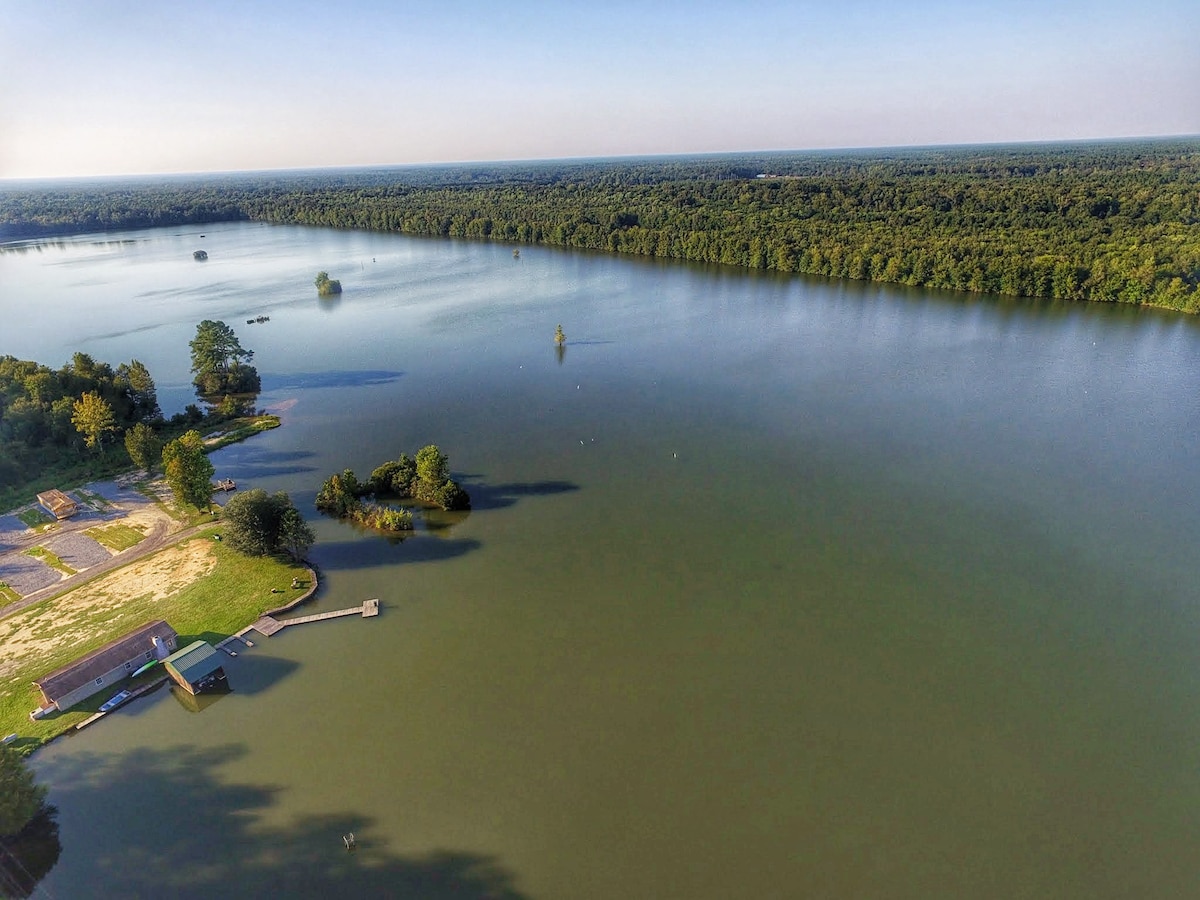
{"x": 92, "y": 499}
{"x": 7, "y": 595}
{"x": 50, "y": 559}
{"x": 116, "y": 537}
{"x": 35, "y": 518}
{"x": 235, "y": 593}
{"x": 238, "y": 430}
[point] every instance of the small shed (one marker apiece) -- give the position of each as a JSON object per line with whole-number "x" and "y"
{"x": 57, "y": 503}
{"x": 107, "y": 665}
{"x": 197, "y": 668}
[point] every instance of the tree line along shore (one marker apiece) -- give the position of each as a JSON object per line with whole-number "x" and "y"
{"x": 1112, "y": 222}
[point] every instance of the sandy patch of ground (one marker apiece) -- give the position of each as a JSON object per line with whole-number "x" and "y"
{"x": 46, "y": 628}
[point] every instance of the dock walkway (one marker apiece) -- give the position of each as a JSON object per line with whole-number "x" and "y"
{"x": 268, "y": 625}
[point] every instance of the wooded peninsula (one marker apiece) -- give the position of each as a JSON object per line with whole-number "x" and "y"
{"x": 1112, "y": 221}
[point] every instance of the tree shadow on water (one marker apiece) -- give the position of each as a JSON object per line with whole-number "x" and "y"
{"x": 27, "y": 856}
{"x": 248, "y": 462}
{"x": 344, "y": 555}
{"x": 165, "y": 822}
{"x": 498, "y": 496}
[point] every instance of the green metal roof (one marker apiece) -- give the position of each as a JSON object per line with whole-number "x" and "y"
{"x": 194, "y": 661}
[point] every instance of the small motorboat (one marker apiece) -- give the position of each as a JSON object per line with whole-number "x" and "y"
{"x": 115, "y": 701}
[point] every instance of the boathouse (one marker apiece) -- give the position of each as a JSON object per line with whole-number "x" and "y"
{"x": 197, "y": 668}
{"x": 107, "y": 665}
{"x": 57, "y": 504}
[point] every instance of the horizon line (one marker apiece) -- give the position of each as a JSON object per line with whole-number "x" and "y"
{"x": 8, "y": 180}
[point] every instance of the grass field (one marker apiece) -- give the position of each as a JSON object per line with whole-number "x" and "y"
{"x": 50, "y": 559}
{"x": 235, "y": 592}
{"x": 116, "y": 537}
{"x": 35, "y": 518}
{"x": 238, "y": 430}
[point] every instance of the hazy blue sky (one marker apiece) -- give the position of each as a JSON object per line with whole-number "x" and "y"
{"x": 104, "y": 87}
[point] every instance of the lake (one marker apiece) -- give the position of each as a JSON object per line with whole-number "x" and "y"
{"x": 773, "y": 587}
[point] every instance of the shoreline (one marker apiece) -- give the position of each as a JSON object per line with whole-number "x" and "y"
{"x": 203, "y": 582}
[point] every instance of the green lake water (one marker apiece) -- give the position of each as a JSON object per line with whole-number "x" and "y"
{"x": 772, "y": 587}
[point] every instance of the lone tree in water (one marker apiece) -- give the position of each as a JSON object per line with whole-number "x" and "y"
{"x": 188, "y": 470}
{"x": 326, "y": 285}
{"x": 559, "y": 337}
{"x": 220, "y": 364}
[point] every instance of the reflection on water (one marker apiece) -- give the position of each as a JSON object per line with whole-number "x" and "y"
{"x": 240, "y": 856}
{"x": 784, "y": 588}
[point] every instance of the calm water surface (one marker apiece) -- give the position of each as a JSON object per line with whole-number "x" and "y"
{"x": 772, "y": 588}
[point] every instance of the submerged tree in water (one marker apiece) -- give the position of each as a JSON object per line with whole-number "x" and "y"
{"x": 326, "y": 285}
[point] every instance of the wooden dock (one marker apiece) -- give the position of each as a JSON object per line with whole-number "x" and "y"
{"x": 270, "y": 626}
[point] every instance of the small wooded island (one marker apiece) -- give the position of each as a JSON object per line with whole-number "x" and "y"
{"x": 425, "y": 479}
{"x": 327, "y": 286}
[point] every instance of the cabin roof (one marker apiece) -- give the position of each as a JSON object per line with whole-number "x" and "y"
{"x": 76, "y": 674}
{"x": 194, "y": 661}
{"x": 56, "y": 502}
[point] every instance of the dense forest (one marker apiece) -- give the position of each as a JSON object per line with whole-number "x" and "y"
{"x": 88, "y": 419}
{"x": 52, "y": 417}
{"x": 1115, "y": 222}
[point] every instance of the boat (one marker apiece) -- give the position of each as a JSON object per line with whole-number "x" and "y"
{"x": 146, "y": 668}
{"x": 227, "y": 484}
{"x": 115, "y": 701}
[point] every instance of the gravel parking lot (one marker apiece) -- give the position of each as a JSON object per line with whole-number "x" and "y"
{"x": 11, "y": 528}
{"x": 77, "y": 550}
{"x": 24, "y": 574}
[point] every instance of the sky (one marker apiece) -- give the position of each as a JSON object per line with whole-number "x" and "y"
{"x": 120, "y": 87}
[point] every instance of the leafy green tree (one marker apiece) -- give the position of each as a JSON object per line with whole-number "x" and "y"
{"x": 394, "y": 477}
{"x": 220, "y": 365}
{"x": 295, "y": 534}
{"x": 93, "y": 418}
{"x": 261, "y": 524}
{"x": 432, "y": 466}
{"x": 339, "y": 494}
{"x": 144, "y": 446}
{"x": 404, "y": 475}
{"x": 188, "y": 470}
{"x": 20, "y": 797}
{"x": 140, "y": 389}
{"x": 433, "y": 483}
